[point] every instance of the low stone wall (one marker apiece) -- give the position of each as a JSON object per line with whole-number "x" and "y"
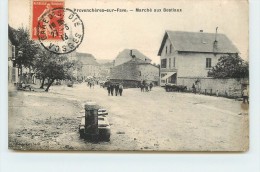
{"x": 231, "y": 88}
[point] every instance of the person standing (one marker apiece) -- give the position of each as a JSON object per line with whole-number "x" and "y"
{"x": 93, "y": 84}
{"x": 217, "y": 93}
{"x": 112, "y": 87}
{"x": 116, "y": 89}
{"x": 196, "y": 88}
{"x": 121, "y": 89}
{"x": 151, "y": 86}
{"x": 142, "y": 87}
{"x": 245, "y": 95}
{"x": 108, "y": 89}
{"x": 193, "y": 88}
{"x": 146, "y": 87}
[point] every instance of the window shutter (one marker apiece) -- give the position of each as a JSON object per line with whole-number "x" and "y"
{"x": 13, "y": 52}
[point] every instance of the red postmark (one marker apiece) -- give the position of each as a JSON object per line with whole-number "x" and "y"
{"x": 43, "y": 14}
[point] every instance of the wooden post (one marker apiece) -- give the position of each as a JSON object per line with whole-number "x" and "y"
{"x": 91, "y": 121}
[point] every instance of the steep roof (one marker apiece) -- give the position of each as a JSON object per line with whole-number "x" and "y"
{"x": 86, "y": 58}
{"x": 126, "y": 54}
{"x": 198, "y": 42}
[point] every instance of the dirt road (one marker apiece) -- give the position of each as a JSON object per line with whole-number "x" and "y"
{"x": 148, "y": 121}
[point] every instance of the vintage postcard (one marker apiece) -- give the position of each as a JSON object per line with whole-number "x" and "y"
{"x": 128, "y": 75}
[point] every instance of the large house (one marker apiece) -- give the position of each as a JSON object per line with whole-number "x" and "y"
{"x": 135, "y": 70}
{"x": 90, "y": 67}
{"x": 12, "y": 69}
{"x": 191, "y": 54}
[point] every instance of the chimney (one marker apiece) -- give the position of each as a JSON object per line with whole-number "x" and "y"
{"x": 131, "y": 53}
{"x": 215, "y": 44}
{"x": 216, "y": 34}
{"x": 201, "y": 36}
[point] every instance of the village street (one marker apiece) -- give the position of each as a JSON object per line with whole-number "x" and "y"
{"x": 145, "y": 121}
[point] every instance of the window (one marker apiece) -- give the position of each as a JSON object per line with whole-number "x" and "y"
{"x": 170, "y": 61}
{"x": 170, "y": 48}
{"x": 163, "y": 63}
{"x": 166, "y": 49}
{"x": 162, "y": 75}
{"x": 173, "y": 61}
{"x": 208, "y": 62}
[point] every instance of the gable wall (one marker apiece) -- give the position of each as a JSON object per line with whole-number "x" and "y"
{"x": 148, "y": 72}
{"x": 126, "y": 71}
{"x": 194, "y": 64}
{"x": 169, "y": 55}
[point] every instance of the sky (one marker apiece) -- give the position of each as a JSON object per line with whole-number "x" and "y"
{"x": 107, "y": 34}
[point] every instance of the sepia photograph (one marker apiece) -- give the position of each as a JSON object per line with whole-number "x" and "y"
{"x": 144, "y": 76}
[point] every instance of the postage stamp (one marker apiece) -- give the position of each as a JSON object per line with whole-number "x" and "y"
{"x": 62, "y": 25}
{"x": 58, "y": 29}
{"x": 39, "y": 9}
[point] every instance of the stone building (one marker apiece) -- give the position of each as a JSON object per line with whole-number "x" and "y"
{"x": 90, "y": 67}
{"x": 191, "y": 54}
{"x": 134, "y": 71}
{"x": 105, "y": 70}
{"x": 12, "y": 69}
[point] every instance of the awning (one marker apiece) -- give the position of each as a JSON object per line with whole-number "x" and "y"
{"x": 168, "y": 75}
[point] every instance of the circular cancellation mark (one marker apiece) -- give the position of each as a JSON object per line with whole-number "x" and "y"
{"x": 60, "y": 30}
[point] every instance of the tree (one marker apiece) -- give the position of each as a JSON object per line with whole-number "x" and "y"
{"x": 25, "y": 47}
{"x": 230, "y": 66}
{"x": 78, "y": 65}
{"x": 41, "y": 64}
{"x": 51, "y": 66}
{"x": 46, "y": 65}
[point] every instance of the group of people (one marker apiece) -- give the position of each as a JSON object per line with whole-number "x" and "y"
{"x": 116, "y": 89}
{"x": 91, "y": 84}
{"x": 145, "y": 87}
